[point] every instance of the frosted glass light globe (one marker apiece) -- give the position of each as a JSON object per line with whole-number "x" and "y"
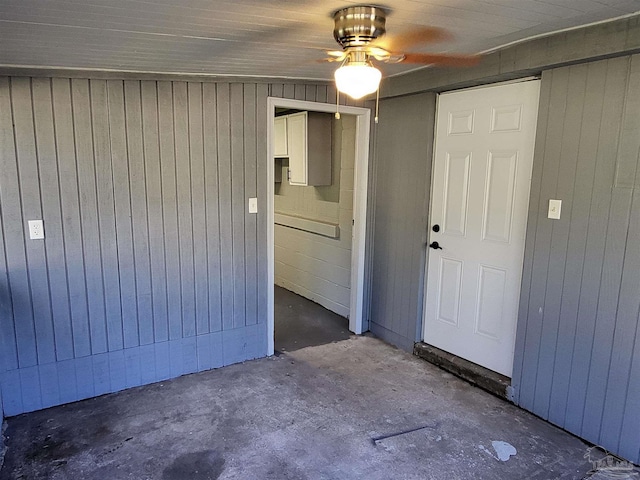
{"x": 357, "y": 80}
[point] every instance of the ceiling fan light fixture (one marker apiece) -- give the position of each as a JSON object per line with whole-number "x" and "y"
{"x": 357, "y": 79}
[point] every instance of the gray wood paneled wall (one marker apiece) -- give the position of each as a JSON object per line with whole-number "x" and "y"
{"x": 578, "y": 346}
{"x": 151, "y": 266}
{"x": 402, "y": 173}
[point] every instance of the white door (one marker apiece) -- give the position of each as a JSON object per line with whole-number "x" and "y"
{"x": 481, "y": 179}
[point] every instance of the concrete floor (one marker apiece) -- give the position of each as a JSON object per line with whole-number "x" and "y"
{"x": 301, "y": 323}
{"x": 356, "y": 408}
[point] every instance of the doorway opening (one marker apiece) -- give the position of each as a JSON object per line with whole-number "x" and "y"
{"x": 316, "y": 221}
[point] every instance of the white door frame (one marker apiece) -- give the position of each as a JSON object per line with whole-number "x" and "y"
{"x": 360, "y": 181}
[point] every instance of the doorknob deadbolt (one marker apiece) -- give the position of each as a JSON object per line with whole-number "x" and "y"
{"x": 435, "y": 245}
{"x": 436, "y": 228}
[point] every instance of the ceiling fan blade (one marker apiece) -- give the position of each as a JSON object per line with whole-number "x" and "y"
{"x": 441, "y": 59}
{"x": 411, "y": 38}
{"x": 332, "y": 56}
{"x": 336, "y": 53}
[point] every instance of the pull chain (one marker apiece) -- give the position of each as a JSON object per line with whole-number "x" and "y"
{"x": 375, "y": 119}
{"x": 337, "y": 104}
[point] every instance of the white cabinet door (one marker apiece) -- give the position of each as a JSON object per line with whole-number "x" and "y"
{"x": 482, "y": 170}
{"x": 280, "y": 136}
{"x": 297, "y": 148}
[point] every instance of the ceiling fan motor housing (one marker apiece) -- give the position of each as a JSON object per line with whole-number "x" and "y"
{"x": 357, "y": 26}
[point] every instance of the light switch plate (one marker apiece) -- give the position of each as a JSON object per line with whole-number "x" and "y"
{"x": 253, "y": 205}
{"x": 36, "y": 229}
{"x": 554, "y": 209}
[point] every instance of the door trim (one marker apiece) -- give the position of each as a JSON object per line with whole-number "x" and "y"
{"x": 360, "y": 182}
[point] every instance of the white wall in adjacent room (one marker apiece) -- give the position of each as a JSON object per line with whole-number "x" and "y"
{"x": 312, "y": 265}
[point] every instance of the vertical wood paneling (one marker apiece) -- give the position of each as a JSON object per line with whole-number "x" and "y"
{"x": 212, "y": 199}
{"x": 331, "y": 94}
{"x": 185, "y": 221}
{"x": 310, "y": 93}
{"x": 536, "y": 178}
{"x": 170, "y": 207}
{"x": 577, "y": 337}
{"x": 627, "y": 175}
{"x": 619, "y": 402}
{"x": 263, "y": 163}
{"x": 139, "y": 218}
{"x": 49, "y": 385}
{"x": 321, "y": 94}
{"x": 8, "y": 354}
{"x": 626, "y": 365}
{"x": 300, "y": 92}
{"x": 537, "y": 289}
{"x": 52, "y": 215}
{"x": 578, "y": 231}
{"x": 85, "y": 160}
{"x": 198, "y": 206}
{"x": 224, "y": 199}
{"x": 153, "y": 184}
{"x": 250, "y": 190}
{"x": 614, "y": 220}
{"x": 106, "y": 212}
{"x": 381, "y": 235}
{"x": 30, "y": 386}
{"x": 14, "y": 233}
{"x": 73, "y": 260}
{"x": 595, "y": 247}
{"x": 289, "y": 90}
{"x": 122, "y": 205}
{"x": 371, "y": 218}
{"x": 629, "y": 440}
{"x": 237, "y": 202}
{"x": 624, "y": 286}
{"x": 149, "y": 249}
{"x": 30, "y": 198}
{"x": 276, "y": 90}
{"x": 572, "y": 89}
{"x": 404, "y": 140}
{"x": 10, "y": 221}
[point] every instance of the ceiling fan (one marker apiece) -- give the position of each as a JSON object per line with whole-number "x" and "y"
{"x": 360, "y": 31}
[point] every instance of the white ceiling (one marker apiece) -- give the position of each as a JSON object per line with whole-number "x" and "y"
{"x": 276, "y": 38}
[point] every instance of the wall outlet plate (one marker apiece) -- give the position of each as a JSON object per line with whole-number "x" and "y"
{"x": 36, "y": 230}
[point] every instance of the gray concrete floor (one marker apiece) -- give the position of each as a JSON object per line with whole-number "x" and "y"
{"x": 352, "y": 409}
{"x": 301, "y": 323}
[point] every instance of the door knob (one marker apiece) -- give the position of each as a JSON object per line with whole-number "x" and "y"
{"x": 435, "y": 245}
